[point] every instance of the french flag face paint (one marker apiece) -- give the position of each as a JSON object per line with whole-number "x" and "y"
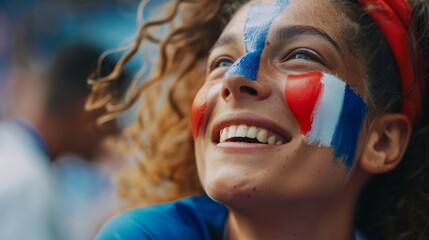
{"x": 259, "y": 20}
{"x": 329, "y": 112}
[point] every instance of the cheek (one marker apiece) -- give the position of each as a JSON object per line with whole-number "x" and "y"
{"x": 198, "y": 110}
{"x": 203, "y": 103}
{"x": 329, "y": 112}
{"x": 197, "y": 117}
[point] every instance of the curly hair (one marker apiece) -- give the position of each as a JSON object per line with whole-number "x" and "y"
{"x": 160, "y": 140}
{"x": 392, "y": 206}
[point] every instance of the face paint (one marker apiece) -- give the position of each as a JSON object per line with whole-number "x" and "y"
{"x": 199, "y": 105}
{"x": 197, "y": 117}
{"x": 259, "y": 20}
{"x": 198, "y": 110}
{"x": 330, "y": 114}
{"x": 302, "y": 105}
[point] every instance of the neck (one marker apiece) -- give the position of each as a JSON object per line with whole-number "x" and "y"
{"x": 317, "y": 219}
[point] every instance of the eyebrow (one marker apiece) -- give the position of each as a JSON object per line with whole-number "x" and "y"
{"x": 292, "y": 31}
{"x": 227, "y": 39}
{"x": 281, "y": 33}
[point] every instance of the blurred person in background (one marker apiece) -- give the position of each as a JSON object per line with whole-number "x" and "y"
{"x": 84, "y": 171}
{"x": 44, "y": 195}
{"x": 30, "y": 195}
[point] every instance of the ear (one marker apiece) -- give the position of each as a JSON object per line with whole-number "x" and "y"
{"x": 386, "y": 143}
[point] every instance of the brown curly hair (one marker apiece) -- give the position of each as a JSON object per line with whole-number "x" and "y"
{"x": 393, "y": 205}
{"x": 160, "y": 140}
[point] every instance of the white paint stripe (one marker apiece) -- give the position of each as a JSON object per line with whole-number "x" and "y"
{"x": 327, "y": 111}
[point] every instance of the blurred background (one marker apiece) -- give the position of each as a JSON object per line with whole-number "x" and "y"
{"x": 31, "y": 31}
{"x": 37, "y": 36}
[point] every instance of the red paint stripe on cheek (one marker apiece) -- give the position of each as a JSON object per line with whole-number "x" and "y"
{"x": 198, "y": 110}
{"x": 302, "y": 92}
{"x": 197, "y": 117}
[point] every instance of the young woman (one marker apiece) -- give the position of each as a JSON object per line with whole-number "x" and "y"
{"x": 311, "y": 123}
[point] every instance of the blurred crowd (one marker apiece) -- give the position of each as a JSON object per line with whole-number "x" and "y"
{"x": 55, "y": 169}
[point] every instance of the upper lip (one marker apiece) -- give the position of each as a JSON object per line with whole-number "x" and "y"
{"x": 248, "y": 119}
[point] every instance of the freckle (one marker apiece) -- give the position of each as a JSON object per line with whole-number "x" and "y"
{"x": 318, "y": 171}
{"x": 235, "y": 187}
{"x": 284, "y": 166}
{"x": 248, "y": 195}
{"x": 268, "y": 43}
{"x": 254, "y": 189}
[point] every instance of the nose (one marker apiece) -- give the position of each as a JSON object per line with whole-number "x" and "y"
{"x": 238, "y": 87}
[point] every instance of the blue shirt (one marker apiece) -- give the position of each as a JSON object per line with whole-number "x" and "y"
{"x": 198, "y": 218}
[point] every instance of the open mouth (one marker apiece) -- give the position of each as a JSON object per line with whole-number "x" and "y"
{"x": 249, "y": 134}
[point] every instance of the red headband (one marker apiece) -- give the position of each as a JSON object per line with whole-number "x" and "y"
{"x": 394, "y": 19}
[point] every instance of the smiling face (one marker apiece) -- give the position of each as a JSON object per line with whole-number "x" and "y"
{"x": 274, "y": 120}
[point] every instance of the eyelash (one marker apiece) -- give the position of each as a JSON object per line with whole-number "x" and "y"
{"x": 313, "y": 56}
{"x": 215, "y": 63}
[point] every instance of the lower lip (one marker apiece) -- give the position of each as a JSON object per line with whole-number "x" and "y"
{"x": 242, "y": 147}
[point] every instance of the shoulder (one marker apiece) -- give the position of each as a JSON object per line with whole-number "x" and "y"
{"x": 22, "y": 167}
{"x": 196, "y": 217}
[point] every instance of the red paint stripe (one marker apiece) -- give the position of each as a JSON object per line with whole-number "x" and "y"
{"x": 198, "y": 110}
{"x": 197, "y": 116}
{"x": 302, "y": 92}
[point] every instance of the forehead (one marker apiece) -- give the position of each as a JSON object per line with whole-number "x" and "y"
{"x": 321, "y": 14}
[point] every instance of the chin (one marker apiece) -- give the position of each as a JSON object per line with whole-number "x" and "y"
{"x": 233, "y": 190}
{"x": 225, "y": 184}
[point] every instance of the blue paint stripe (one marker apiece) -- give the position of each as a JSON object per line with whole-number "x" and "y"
{"x": 348, "y": 128}
{"x": 259, "y": 20}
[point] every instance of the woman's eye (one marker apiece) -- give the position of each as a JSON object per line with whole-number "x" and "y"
{"x": 226, "y": 63}
{"x": 223, "y": 62}
{"x": 305, "y": 54}
{"x": 301, "y": 56}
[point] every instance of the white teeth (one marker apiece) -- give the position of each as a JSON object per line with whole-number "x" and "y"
{"x": 262, "y": 136}
{"x": 223, "y": 134}
{"x": 272, "y": 140}
{"x": 251, "y": 133}
{"x": 232, "y": 131}
{"x": 242, "y": 131}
